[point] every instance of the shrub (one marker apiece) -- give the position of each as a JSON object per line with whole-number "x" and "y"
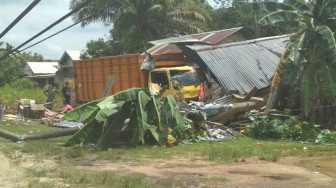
{"x": 22, "y": 83}
{"x": 26, "y": 89}
{"x": 267, "y": 127}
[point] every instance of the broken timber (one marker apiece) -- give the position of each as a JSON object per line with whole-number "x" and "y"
{"x": 238, "y": 108}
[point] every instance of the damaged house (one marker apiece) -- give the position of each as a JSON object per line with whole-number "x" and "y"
{"x": 168, "y": 45}
{"x": 239, "y": 67}
{"x": 236, "y": 64}
{"x": 231, "y": 64}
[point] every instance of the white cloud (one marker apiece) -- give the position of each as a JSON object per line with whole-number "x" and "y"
{"x": 54, "y": 47}
{"x": 45, "y": 13}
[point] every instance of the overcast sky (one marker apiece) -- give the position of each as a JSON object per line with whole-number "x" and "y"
{"x": 45, "y": 13}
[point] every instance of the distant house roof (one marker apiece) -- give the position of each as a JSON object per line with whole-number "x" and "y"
{"x": 167, "y": 46}
{"x": 241, "y": 66}
{"x": 40, "y": 68}
{"x": 73, "y": 54}
{"x": 69, "y": 55}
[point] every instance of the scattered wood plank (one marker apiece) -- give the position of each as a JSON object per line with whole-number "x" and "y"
{"x": 250, "y": 94}
{"x": 238, "y": 108}
{"x": 252, "y": 98}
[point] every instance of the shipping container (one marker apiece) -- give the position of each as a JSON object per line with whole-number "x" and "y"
{"x": 92, "y": 75}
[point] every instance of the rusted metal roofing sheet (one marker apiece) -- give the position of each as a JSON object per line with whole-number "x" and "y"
{"x": 244, "y": 65}
{"x": 167, "y": 46}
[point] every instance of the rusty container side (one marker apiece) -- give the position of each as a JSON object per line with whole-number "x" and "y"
{"x": 166, "y": 60}
{"x": 91, "y": 76}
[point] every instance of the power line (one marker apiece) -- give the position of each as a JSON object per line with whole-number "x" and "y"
{"x": 53, "y": 34}
{"x": 46, "y": 29}
{"x": 23, "y": 14}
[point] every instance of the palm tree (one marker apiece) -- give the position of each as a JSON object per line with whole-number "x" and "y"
{"x": 139, "y": 21}
{"x": 308, "y": 65}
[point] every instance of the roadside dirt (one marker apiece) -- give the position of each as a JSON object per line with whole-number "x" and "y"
{"x": 10, "y": 176}
{"x": 252, "y": 173}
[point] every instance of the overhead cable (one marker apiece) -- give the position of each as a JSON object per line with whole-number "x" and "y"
{"x": 23, "y": 14}
{"x": 48, "y": 28}
{"x": 53, "y": 35}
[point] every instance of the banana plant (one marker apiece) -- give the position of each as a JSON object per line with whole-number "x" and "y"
{"x": 309, "y": 61}
{"x": 152, "y": 120}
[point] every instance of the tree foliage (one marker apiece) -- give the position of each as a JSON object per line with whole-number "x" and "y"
{"x": 12, "y": 67}
{"x": 243, "y": 13}
{"x": 135, "y": 22}
{"x": 102, "y": 47}
{"x": 311, "y": 63}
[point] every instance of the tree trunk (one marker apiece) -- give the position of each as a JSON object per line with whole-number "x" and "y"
{"x": 276, "y": 81}
{"x": 39, "y": 136}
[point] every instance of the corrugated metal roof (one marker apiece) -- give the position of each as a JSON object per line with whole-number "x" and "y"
{"x": 41, "y": 68}
{"x": 244, "y": 65}
{"x": 167, "y": 46}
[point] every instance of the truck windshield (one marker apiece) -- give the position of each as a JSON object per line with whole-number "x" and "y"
{"x": 187, "y": 77}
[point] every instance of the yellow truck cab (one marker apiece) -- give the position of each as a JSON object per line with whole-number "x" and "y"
{"x": 184, "y": 79}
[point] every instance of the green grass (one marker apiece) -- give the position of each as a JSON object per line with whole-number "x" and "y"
{"x": 34, "y": 183}
{"x": 211, "y": 180}
{"x": 229, "y": 151}
{"x": 10, "y": 95}
{"x": 102, "y": 179}
{"x": 41, "y": 172}
{"x": 79, "y": 178}
{"x": 237, "y": 150}
{"x": 24, "y": 127}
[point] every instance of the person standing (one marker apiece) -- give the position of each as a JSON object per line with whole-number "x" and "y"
{"x": 51, "y": 93}
{"x": 66, "y": 93}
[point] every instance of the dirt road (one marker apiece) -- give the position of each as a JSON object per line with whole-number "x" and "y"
{"x": 10, "y": 176}
{"x": 253, "y": 173}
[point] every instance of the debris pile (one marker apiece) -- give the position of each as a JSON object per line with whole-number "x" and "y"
{"x": 132, "y": 117}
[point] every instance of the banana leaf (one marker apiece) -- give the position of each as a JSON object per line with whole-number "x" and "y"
{"x": 88, "y": 134}
{"x": 280, "y": 16}
{"x": 78, "y": 112}
{"x": 113, "y": 127}
{"x": 151, "y": 119}
{"x": 89, "y": 114}
{"x": 171, "y": 117}
{"x": 109, "y": 110}
{"x": 299, "y": 5}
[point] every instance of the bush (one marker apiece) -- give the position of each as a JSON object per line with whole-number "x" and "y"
{"x": 267, "y": 127}
{"x": 326, "y": 136}
{"x": 26, "y": 89}
{"x": 22, "y": 83}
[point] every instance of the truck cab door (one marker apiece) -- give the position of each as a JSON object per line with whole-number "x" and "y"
{"x": 161, "y": 78}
